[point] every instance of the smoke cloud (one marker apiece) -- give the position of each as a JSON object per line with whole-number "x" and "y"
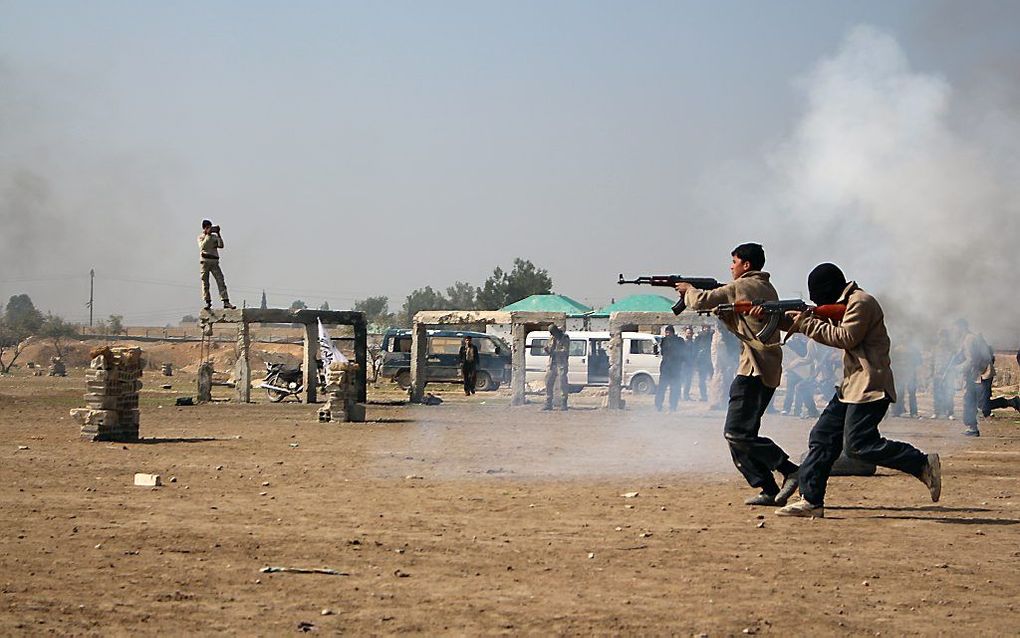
{"x": 912, "y": 188}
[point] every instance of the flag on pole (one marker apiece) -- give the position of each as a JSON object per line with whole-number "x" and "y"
{"x": 327, "y": 351}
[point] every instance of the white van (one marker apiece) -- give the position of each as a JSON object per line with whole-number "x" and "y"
{"x": 589, "y": 359}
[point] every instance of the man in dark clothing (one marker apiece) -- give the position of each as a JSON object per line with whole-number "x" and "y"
{"x": 758, "y": 375}
{"x": 703, "y": 360}
{"x": 669, "y": 369}
{"x": 468, "y": 360}
{"x": 851, "y": 419}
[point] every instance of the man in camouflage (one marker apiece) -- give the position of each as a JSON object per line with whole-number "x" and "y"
{"x": 558, "y": 350}
{"x": 209, "y": 244}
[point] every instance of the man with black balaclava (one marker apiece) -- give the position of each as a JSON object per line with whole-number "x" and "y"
{"x": 850, "y": 421}
{"x": 758, "y": 375}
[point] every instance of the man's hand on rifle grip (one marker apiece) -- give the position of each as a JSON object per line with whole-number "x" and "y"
{"x": 682, "y": 287}
{"x": 757, "y": 312}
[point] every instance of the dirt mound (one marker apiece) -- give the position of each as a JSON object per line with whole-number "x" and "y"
{"x": 184, "y": 356}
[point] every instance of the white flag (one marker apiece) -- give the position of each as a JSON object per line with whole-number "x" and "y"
{"x": 327, "y": 351}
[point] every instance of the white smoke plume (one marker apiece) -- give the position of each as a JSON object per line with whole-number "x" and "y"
{"x": 912, "y": 188}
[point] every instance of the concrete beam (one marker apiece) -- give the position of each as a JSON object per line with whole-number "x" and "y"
{"x": 310, "y": 369}
{"x": 242, "y": 369}
{"x": 620, "y": 322}
{"x": 282, "y": 315}
{"x": 419, "y": 365}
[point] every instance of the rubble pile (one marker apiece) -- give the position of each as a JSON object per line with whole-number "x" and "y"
{"x": 112, "y": 382}
{"x": 342, "y": 394}
{"x": 57, "y": 367}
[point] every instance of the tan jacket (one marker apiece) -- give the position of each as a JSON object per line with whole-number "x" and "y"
{"x": 867, "y": 372}
{"x": 751, "y": 286}
{"x": 209, "y": 245}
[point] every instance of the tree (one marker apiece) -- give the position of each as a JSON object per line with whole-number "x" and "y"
{"x": 115, "y": 324}
{"x": 376, "y": 309}
{"x": 188, "y": 319}
{"x": 503, "y": 288}
{"x": 56, "y": 330}
{"x": 22, "y": 315}
{"x": 263, "y": 306}
{"x": 461, "y": 296}
{"x": 324, "y": 306}
{"x": 422, "y": 299}
{"x": 19, "y": 321}
{"x": 297, "y": 304}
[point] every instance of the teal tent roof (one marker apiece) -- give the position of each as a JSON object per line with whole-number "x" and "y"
{"x": 639, "y": 303}
{"x": 548, "y": 303}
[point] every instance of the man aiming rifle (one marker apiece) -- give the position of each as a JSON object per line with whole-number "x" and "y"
{"x": 758, "y": 374}
{"x": 850, "y": 421}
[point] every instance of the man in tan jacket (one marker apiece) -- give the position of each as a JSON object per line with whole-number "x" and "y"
{"x": 758, "y": 375}
{"x": 851, "y": 419}
{"x": 209, "y": 244}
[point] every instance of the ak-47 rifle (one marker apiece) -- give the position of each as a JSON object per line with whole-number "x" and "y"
{"x": 776, "y": 310}
{"x": 670, "y": 281}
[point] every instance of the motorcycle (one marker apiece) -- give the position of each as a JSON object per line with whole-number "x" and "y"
{"x": 281, "y": 382}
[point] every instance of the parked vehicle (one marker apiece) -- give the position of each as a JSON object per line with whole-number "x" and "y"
{"x": 589, "y": 359}
{"x": 281, "y": 381}
{"x": 442, "y": 365}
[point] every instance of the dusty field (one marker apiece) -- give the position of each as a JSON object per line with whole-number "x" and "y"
{"x": 473, "y": 518}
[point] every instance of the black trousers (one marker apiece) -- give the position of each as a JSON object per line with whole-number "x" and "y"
{"x": 853, "y": 427}
{"x": 755, "y": 456}
{"x": 668, "y": 379}
{"x": 470, "y": 378}
{"x": 907, "y": 395}
{"x": 985, "y": 397}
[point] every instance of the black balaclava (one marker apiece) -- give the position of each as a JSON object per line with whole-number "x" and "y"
{"x": 825, "y": 284}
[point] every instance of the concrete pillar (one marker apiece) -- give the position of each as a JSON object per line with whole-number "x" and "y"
{"x": 518, "y": 369}
{"x": 308, "y": 361}
{"x": 615, "y": 401}
{"x": 419, "y": 356}
{"x": 205, "y": 371}
{"x": 242, "y": 369}
{"x": 361, "y": 358}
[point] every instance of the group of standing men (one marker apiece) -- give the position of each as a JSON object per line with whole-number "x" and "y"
{"x": 848, "y": 423}
{"x": 682, "y": 357}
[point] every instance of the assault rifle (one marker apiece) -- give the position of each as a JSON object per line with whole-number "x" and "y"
{"x": 670, "y": 281}
{"x": 776, "y": 310}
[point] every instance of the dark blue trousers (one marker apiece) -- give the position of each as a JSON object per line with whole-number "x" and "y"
{"x": 853, "y": 427}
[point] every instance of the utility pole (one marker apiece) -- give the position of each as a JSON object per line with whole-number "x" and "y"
{"x": 92, "y": 290}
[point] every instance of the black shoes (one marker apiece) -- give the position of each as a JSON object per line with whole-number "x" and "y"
{"x": 789, "y": 488}
{"x": 763, "y": 498}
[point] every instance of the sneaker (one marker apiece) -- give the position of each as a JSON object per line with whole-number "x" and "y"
{"x": 546, "y": 408}
{"x": 764, "y": 498}
{"x": 972, "y": 432}
{"x": 790, "y": 485}
{"x": 803, "y": 509}
{"x": 229, "y": 306}
{"x": 208, "y": 305}
{"x": 931, "y": 476}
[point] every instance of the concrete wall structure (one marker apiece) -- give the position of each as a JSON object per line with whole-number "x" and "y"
{"x": 520, "y": 322}
{"x": 620, "y": 322}
{"x": 310, "y": 319}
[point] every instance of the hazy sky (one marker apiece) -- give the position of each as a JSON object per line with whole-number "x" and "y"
{"x": 351, "y": 149}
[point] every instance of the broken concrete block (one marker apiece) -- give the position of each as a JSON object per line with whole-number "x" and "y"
{"x": 148, "y": 480}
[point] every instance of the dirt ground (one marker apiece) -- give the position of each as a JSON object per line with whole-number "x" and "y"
{"x": 474, "y": 518}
